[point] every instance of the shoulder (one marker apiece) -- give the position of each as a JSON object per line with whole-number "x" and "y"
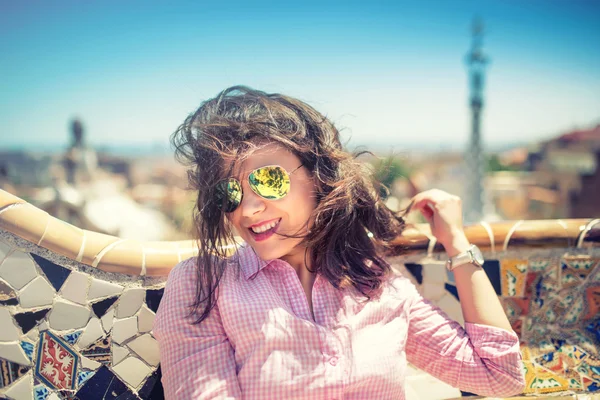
{"x": 400, "y": 287}
{"x": 184, "y": 273}
{"x": 187, "y": 272}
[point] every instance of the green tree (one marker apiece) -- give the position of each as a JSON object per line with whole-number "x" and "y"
{"x": 493, "y": 164}
{"x": 387, "y": 171}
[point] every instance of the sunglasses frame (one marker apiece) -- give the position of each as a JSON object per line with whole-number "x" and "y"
{"x": 289, "y": 174}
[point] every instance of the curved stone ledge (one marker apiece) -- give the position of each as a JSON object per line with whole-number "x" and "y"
{"x": 132, "y": 257}
{"x": 106, "y": 252}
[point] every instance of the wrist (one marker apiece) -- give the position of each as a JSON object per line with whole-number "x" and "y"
{"x": 458, "y": 244}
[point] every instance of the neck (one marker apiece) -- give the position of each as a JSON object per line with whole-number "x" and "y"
{"x": 299, "y": 258}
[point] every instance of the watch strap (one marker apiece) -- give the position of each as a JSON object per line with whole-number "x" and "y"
{"x": 466, "y": 257}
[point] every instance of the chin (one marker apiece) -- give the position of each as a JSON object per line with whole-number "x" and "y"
{"x": 270, "y": 249}
{"x": 269, "y": 253}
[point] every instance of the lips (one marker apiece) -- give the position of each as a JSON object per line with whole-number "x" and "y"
{"x": 264, "y": 230}
{"x": 264, "y": 227}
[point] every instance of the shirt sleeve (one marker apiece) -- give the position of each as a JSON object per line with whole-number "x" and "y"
{"x": 481, "y": 359}
{"x": 197, "y": 360}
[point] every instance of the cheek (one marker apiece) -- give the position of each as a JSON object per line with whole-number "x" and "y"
{"x": 303, "y": 204}
{"x": 233, "y": 222}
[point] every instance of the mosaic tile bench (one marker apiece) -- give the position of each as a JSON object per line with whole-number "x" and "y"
{"x": 77, "y": 307}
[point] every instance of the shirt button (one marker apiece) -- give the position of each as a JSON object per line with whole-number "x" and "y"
{"x": 333, "y": 361}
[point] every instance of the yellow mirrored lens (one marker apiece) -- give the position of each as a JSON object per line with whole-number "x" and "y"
{"x": 229, "y": 194}
{"x": 270, "y": 182}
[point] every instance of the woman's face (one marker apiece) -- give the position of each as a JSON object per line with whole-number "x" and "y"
{"x": 289, "y": 215}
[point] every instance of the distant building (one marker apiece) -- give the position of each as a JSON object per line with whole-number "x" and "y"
{"x": 571, "y": 164}
{"x": 79, "y": 161}
{"x": 24, "y": 168}
{"x": 561, "y": 179}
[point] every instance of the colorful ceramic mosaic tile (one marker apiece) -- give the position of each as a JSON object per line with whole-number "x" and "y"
{"x": 580, "y": 266}
{"x": 99, "y": 351}
{"x": 590, "y": 385}
{"x": 40, "y": 392}
{"x": 576, "y": 353}
{"x": 513, "y": 277}
{"x": 28, "y": 349}
{"x": 592, "y": 297}
{"x": 541, "y": 380}
{"x": 10, "y": 372}
{"x": 574, "y": 379}
{"x": 56, "y": 364}
{"x": 516, "y": 307}
{"x": 83, "y": 376}
{"x": 72, "y": 337}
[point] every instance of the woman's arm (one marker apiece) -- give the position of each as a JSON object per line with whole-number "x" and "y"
{"x": 483, "y": 357}
{"x": 479, "y": 358}
{"x": 478, "y": 300}
{"x": 197, "y": 360}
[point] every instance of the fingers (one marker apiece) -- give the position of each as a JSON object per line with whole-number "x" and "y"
{"x": 431, "y": 201}
{"x": 423, "y": 205}
{"x": 434, "y": 196}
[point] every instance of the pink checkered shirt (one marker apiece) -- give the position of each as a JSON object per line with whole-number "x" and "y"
{"x": 261, "y": 341}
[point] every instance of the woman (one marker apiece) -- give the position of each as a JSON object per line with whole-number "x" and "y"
{"x": 307, "y": 307}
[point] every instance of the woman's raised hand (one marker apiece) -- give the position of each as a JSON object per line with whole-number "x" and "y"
{"x": 443, "y": 211}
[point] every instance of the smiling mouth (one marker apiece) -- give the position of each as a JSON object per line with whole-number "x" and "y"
{"x": 265, "y": 231}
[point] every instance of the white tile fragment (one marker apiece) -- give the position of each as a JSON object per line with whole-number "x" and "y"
{"x": 53, "y": 396}
{"x": 90, "y": 364}
{"x": 13, "y": 352}
{"x": 146, "y": 347}
{"x": 132, "y": 371}
{"x": 130, "y": 302}
{"x": 37, "y": 293}
{"x": 434, "y": 273}
{"x": 9, "y": 331}
{"x": 4, "y": 250}
{"x": 93, "y": 331}
{"x": 433, "y": 291}
{"x": 22, "y": 389}
{"x": 451, "y": 306}
{"x": 118, "y": 353}
{"x": 18, "y": 269}
{"x": 75, "y": 288}
{"x": 107, "y": 320}
{"x": 145, "y": 319}
{"x": 124, "y": 329}
{"x": 99, "y": 289}
{"x": 68, "y": 316}
{"x": 33, "y": 334}
{"x": 43, "y": 326}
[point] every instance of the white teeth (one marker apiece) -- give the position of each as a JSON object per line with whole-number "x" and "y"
{"x": 265, "y": 227}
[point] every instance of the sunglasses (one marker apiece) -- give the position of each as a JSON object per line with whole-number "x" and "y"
{"x": 271, "y": 182}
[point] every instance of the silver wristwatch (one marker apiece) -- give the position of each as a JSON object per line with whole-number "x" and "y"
{"x": 471, "y": 256}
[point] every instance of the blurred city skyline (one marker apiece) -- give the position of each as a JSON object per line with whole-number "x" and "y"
{"x": 385, "y": 73}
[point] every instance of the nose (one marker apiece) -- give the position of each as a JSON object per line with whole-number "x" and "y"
{"x": 252, "y": 203}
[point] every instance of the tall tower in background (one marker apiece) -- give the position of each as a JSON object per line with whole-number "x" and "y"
{"x": 476, "y": 62}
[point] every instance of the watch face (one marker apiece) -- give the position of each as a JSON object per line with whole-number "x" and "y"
{"x": 477, "y": 255}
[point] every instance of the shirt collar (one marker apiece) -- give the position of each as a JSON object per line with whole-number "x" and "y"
{"x": 250, "y": 263}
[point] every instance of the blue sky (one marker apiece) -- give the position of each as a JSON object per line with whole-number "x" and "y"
{"x": 385, "y": 72}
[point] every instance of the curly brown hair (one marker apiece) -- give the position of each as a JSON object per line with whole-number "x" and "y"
{"x": 352, "y": 226}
